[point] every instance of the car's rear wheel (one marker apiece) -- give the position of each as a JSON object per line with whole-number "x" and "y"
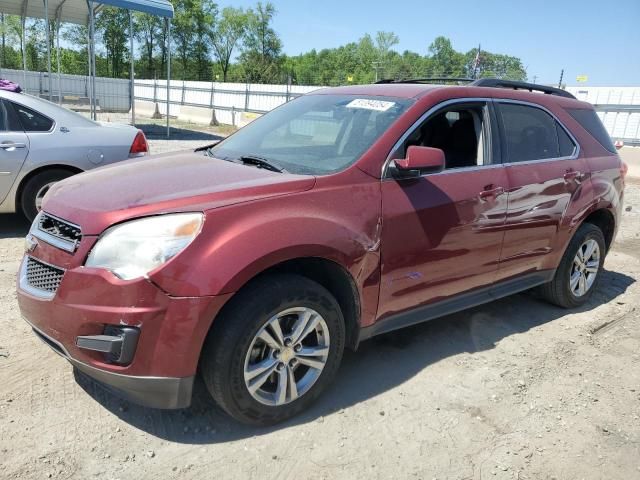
{"x": 580, "y": 269}
{"x": 274, "y": 350}
{"x": 37, "y": 187}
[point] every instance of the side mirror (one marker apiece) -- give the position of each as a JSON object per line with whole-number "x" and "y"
{"x": 420, "y": 160}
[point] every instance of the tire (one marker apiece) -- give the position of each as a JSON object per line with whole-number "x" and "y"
{"x": 560, "y": 290}
{"x": 235, "y": 350}
{"x": 40, "y": 181}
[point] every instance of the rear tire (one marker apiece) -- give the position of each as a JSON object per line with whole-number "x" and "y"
{"x": 263, "y": 382}
{"x": 577, "y": 277}
{"x": 36, "y": 187}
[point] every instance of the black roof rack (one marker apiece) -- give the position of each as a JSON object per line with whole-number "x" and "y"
{"x": 426, "y": 80}
{"x": 497, "y": 83}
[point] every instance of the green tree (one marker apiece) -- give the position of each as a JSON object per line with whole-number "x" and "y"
{"x": 261, "y": 58}
{"x": 495, "y": 65}
{"x": 446, "y": 62}
{"x": 11, "y": 33}
{"x": 148, "y": 30}
{"x": 205, "y": 13}
{"x": 75, "y": 61}
{"x": 109, "y": 29}
{"x": 384, "y": 42}
{"x": 183, "y": 31}
{"x": 227, "y": 35}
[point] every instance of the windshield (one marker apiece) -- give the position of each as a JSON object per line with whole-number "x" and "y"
{"x": 315, "y": 134}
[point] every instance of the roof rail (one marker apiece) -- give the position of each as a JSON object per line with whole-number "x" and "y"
{"x": 498, "y": 83}
{"x": 426, "y": 80}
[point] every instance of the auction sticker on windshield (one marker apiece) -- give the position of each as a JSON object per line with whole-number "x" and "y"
{"x": 368, "y": 104}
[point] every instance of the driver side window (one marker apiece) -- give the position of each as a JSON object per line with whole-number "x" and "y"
{"x": 460, "y": 131}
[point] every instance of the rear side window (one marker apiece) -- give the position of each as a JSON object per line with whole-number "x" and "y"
{"x": 31, "y": 120}
{"x": 532, "y": 134}
{"x": 592, "y": 124}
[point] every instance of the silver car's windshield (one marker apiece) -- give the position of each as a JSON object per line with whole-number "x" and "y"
{"x": 315, "y": 134}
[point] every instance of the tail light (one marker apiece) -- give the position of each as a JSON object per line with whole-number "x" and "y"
{"x": 139, "y": 145}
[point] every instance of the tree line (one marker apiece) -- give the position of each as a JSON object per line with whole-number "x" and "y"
{"x": 236, "y": 44}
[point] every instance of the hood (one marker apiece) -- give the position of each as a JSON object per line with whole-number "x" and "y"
{"x": 184, "y": 181}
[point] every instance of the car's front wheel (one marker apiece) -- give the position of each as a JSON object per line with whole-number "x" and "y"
{"x": 274, "y": 350}
{"x": 37, "y": 187}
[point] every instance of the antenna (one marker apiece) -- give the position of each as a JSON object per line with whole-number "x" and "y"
{"x": 561, "y": 75}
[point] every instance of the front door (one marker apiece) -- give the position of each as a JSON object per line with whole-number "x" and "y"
{"x": 14, "y": 147}
{"x": 442, "y": 232}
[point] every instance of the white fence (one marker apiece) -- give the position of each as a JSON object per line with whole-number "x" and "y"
{"x": 226, "y": 99}
{"x": 112, "y": 93}
{"x": 618, "y": 107}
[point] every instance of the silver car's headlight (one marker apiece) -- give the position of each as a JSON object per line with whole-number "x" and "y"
{"x": 133, "y": 249}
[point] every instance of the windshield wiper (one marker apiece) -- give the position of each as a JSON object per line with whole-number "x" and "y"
{"x": 261, "y": 162}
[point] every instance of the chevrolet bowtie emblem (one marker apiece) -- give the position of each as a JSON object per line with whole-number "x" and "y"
{"x": 30, "y": 243}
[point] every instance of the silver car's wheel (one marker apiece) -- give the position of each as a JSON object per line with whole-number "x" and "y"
{"x": 35, "y": 189}
{"x": 585, "y": 268}
{"x": 287, "y": 356}
{"x": 41, "y": 193}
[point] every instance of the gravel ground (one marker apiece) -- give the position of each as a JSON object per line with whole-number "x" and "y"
{"x": 515, "y": 389}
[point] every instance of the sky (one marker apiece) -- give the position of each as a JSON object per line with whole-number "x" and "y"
{"x": 589, "y": 37}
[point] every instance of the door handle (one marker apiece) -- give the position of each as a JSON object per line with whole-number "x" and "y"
{"x": 572, "y": 175}
{"x": 491, "y": 191}
{"x": 12, "y": 146}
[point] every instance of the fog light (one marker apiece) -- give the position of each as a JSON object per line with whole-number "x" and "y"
{"x": 117, "y": 343}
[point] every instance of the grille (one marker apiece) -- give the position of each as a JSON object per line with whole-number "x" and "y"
{"x": 43, "y": 276}
{"x": 59, "y": 228}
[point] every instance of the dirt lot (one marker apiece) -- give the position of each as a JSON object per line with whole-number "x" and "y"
{"x": 516, "y": 389}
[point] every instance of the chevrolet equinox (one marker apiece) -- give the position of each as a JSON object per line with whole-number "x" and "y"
{"x": 346, "y": 213}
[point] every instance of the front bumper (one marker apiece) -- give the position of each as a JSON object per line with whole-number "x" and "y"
{"x": 153, "y": 392}
{"x": 88, "y": 301}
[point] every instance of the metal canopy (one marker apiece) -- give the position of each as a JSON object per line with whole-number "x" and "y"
{"x": 76, "y": 11}
{"x": 82, "y": 12}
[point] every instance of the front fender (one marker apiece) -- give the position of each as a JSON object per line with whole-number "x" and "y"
{"x": 340, "y": 224}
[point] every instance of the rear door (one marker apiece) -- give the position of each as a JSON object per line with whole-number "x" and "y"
{"x": 545, "y": 175}
{"x": 442, "y": 232}
{"x": 14, "y": 148}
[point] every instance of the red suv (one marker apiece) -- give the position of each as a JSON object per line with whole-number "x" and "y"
{"x": 344, "y": 214}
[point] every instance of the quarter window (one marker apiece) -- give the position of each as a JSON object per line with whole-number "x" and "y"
{"x": 31, "y": 120}
{"x": 592, "y": 124}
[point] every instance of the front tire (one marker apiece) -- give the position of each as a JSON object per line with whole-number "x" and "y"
{"x": 274, "y": 349}
{"x": 36, "y": 188}
{"x": 580, "y": 269}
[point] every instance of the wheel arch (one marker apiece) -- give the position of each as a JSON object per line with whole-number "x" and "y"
{"x": 605, "y": 221}
{"x": 328, "y": 273}
{"x": 36, "y": 171}
{"x": 602, "y": 218}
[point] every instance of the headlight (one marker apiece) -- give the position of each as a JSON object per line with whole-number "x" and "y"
{"x": 133, "y": 249}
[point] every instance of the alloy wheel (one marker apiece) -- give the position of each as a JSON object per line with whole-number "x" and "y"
{"x": 287, "y": 356}
{"x": 585, "y": 268}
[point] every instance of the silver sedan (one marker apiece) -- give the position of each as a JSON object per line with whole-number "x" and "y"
{"x": 42, "y": 143}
